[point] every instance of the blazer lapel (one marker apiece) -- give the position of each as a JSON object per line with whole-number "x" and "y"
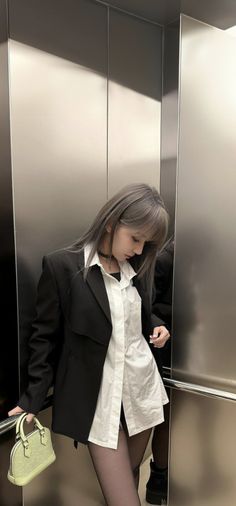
{"x": 96, "y": 284}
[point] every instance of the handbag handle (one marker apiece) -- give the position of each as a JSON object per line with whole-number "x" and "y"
{"x": 21, "y": 420}
{"x": 21, "y": 435}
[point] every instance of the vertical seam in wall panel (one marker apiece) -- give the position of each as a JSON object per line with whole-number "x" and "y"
{"x": 13, "y": 200}
{"x": 13, "y": 207}
{"x": 108, "y": 77}
{"x": 14, "y": 221}
{"x": 177, "y": 170}
{"x": 162, "y": 92}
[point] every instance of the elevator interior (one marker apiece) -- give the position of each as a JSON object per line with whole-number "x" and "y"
{"x": 90, "y": 95}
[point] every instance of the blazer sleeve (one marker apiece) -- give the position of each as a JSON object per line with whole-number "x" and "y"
{"x": 156, "y": 321}
{"x": 43, "y": 342}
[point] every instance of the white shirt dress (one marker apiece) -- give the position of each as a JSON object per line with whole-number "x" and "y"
{"x": 130, "y": 374}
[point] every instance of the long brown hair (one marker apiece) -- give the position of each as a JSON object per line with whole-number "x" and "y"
{"x": 137, "y": 206}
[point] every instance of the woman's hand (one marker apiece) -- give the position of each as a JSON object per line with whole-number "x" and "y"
{"x": 159, "y": 337}
{"x": 17, "y": 411}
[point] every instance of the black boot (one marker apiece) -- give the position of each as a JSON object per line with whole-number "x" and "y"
{"x": 156, "y": 492}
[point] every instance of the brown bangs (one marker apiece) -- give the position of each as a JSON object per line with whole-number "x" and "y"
{"x": 154, "y": 225}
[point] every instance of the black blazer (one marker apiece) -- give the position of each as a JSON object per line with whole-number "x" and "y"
{"x": 69, "y": 342}
{"x": 162, "y": 305}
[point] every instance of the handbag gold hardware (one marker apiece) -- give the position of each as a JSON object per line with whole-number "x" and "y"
{"x": 31, "y": 454}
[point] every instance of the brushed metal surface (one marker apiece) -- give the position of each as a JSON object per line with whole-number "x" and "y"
{"x": 8, "y": 424}
{"x": 9, "y": 377}
{"x": 9, "y": 386}
{"x": 58, "y": 101}
{"x": 199, "y": 389}
{"x": 163, "y": 11}
{"x": 203, "y": 451}
{"x": 134, "y": 101}
{"x": 58, "y": 118}
{"x": 70, "y": 481}
{"x": 204, "y": 344}
{"x": 30, "y": 22}
{"x": 58, "y": 135}
{"x": 169, "y": 120}
{"x": 213, "y": 12}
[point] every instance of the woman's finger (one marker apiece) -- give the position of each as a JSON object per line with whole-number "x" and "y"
{"x": 160, "y": 334}
{"x": 29, "y": 417}
{"x": 15, "y": 411}
{"x": 159, "y": 337}
{"x": 159, "y": 343}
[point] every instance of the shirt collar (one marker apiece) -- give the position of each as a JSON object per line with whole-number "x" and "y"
{"x": 125, "y": 267}
{"x": 94, "y": 260}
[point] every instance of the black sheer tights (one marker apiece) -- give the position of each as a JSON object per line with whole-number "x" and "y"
{"x": 118, "y": 470}
{"x": 160, "y": 441}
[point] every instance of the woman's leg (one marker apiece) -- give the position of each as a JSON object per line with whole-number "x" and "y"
{"x": 137, "y": 445}
{"x": 114, "y": 472}
{"x": 160, "y": 441}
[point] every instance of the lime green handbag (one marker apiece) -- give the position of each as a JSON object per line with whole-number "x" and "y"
{"x": 31, "y": 454}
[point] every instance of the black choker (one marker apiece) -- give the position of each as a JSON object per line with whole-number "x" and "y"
{"x": 104, "y": 255}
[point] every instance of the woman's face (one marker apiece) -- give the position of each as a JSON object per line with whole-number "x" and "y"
{"x": 127, "y": 242}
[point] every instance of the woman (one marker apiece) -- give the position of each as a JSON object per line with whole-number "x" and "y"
{"x": 91, "y": 339}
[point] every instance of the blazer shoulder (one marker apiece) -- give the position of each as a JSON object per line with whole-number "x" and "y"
{"x": 64, "y": 259}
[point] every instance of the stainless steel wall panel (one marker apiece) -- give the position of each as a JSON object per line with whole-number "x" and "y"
{"x": 214, "y": 12}
{"x": 9, "y": 377}
{"x": 169, "y": 120}
{"x": 58, "y": 117}
{"x": 70, "y": 481}
{"x": 134, "y": 101}
{"x": 160, "y": 12}
{"x": 58, "y": 101}
{"x": 9, "y": 387}
{"x": 203, "y": 451}
{"x": 73, "y": 30}
{"x": 58, "y": 133}
{"x": 204, "y": 345}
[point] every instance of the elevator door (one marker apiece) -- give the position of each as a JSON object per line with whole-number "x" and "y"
{"x": 203, "y": 443}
